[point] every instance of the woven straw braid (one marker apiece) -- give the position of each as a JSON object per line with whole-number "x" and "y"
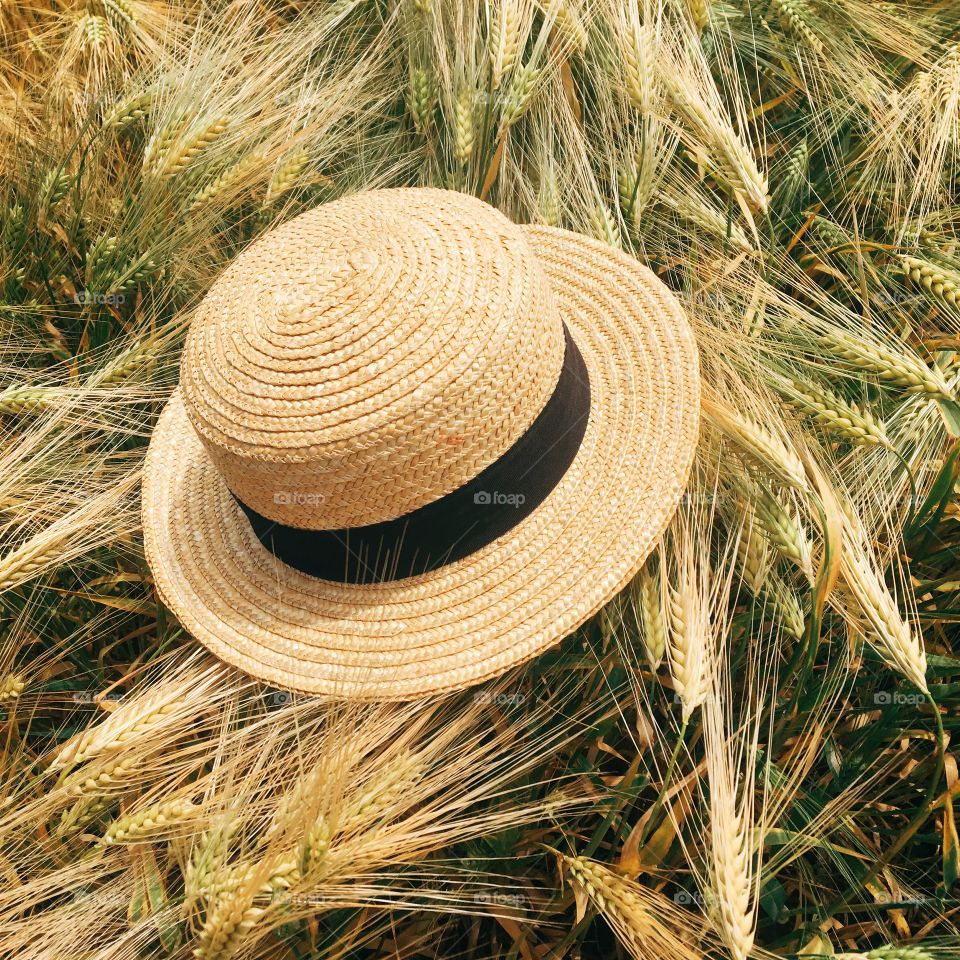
{"x": 371, "y": 356}
{"x": 475, "y": 618}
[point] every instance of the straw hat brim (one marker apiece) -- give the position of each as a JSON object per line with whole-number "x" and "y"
{"x": 474, "y": 618}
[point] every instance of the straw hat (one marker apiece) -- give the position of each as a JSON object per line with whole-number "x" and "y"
{"x": 415, "y": 444}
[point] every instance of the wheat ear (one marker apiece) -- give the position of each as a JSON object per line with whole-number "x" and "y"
{"x": 127, "y": 112}
{"x": 786, "y": 606}
{"x": 687, "y": 635}
{"x": 93, "y": 29}
{"x": 640, "y": 925}
{"x": 316, "y": 843}
{"x": 223, "y": 183}
{"x": 107, "y": 776}
{"x": 753, "y": 553}
{"x": 395, "y": 781}
{"x": 218, "y": 881}
{"x": 605, "y": 226}
{"x": 422, "y": 97}
{"x": 137, "y": 719}
{"x": 227, "y": 926}
{"x": 887, "y": 365}
{"x": 784, "y": 532}
{"x": 169, "y": 159}
{"x": 889, "y": 952}
{"x": 11, "y": 687}
{"x": 567, "y": 27}
{"x": 647, "y": 600}
{"x": 505, "y": 40}
{"x": 120, "y": 12}
{"x": 15, "y": 401}
{"x": 699, "y": 12}
{"x": 519, "y": 95}
{"x": 795, "y": 15}
{"x": 464, "y": 125}
{"x": 123, "y": 366}
{"x": 149, "y": 822}
{"x": 888, "y": 633}
{"x": 834, "y": 414}
{"x": 758, "y": 445}
{"x": 939, "y": 282}
{"x": 82, "y": 812}
{"x": 548, "y": 199}
{"x": 54, "y": 187}
{"x": 638, "y": 51}
{"x": 730, "y": 862}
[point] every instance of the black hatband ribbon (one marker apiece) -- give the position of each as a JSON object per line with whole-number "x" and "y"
{"x": 463, "y": 521}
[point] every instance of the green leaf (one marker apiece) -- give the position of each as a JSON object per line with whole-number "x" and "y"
{"x": 928, "y": 514}
{"x": 773, "y": 898}
{"x": 951, "y": 845}
{"x": 950, "y": 414}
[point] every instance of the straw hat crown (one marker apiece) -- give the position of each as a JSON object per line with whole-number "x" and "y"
{"x": 371, "y": 356}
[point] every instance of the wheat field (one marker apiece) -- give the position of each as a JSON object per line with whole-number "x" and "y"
{"x": 748, "y": 753}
